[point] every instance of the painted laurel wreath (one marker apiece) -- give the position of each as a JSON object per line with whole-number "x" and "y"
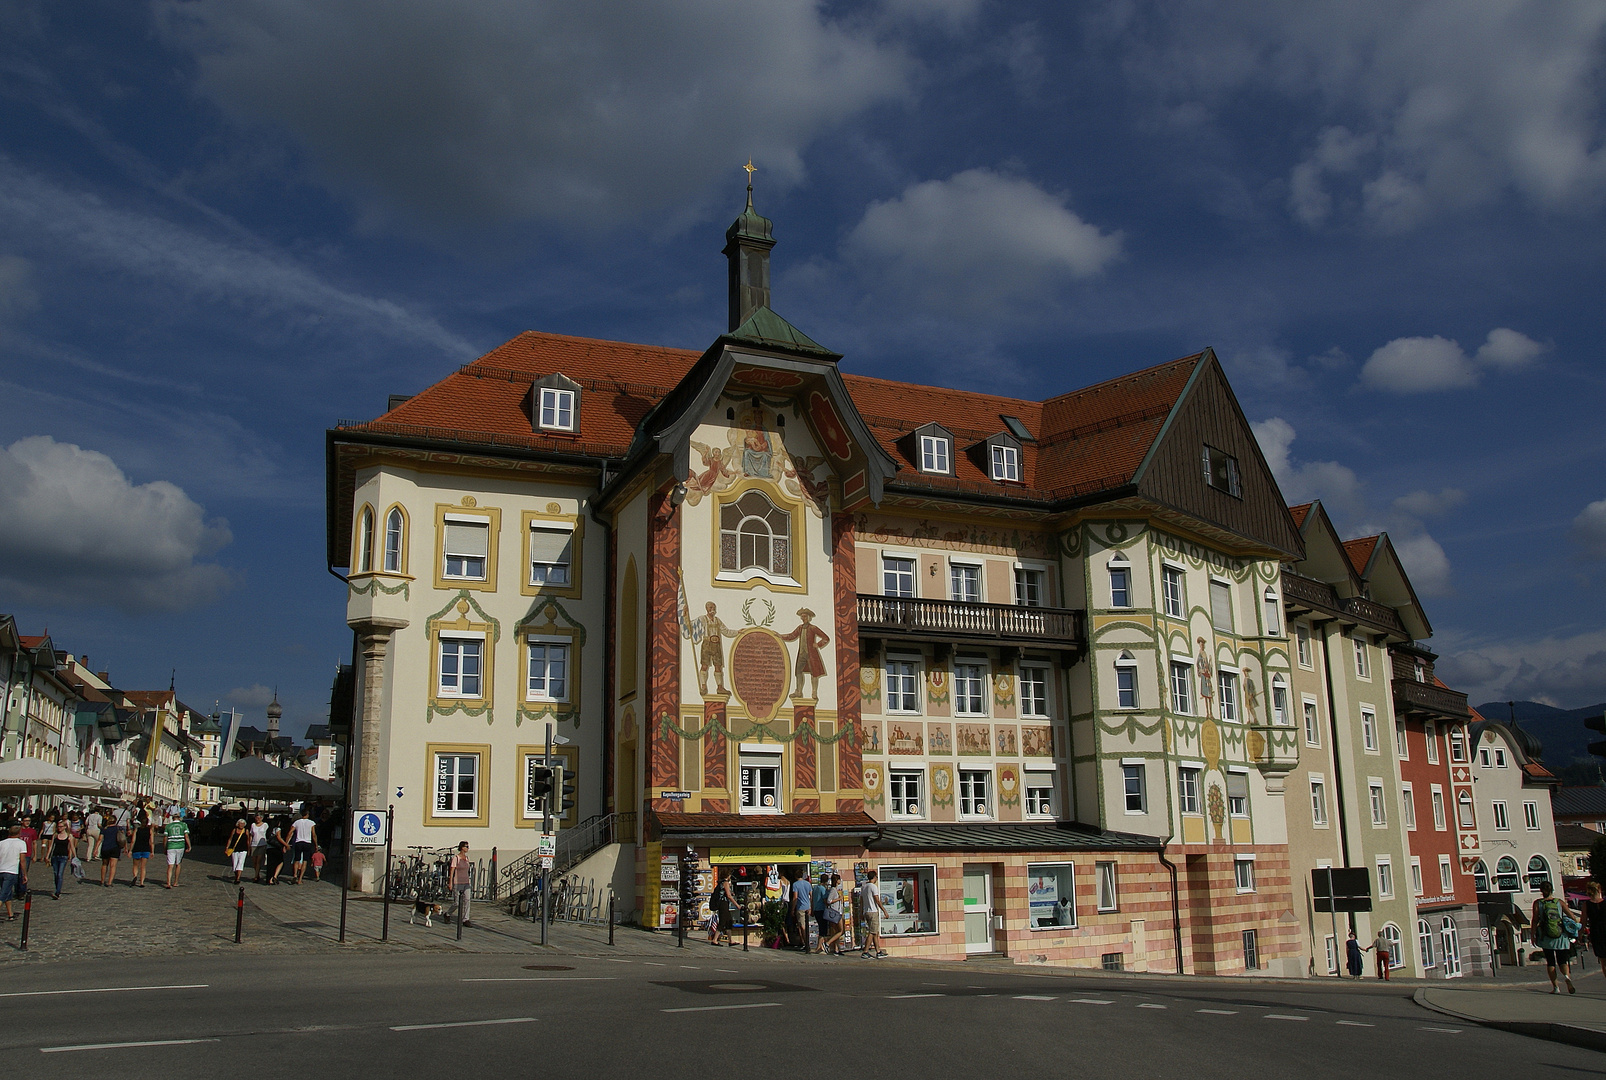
{"x": 748, "y": 614}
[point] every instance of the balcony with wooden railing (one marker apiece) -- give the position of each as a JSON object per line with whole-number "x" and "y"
{"x": 1429, "y": 700}
{"x": 968, "y": 623}
{"x": 1312, "y": 595}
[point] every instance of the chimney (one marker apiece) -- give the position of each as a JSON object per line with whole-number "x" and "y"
{"x": 747, "y": 253}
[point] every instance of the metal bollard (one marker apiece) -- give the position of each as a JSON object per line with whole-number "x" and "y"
{"x": 239, "y": 916}
{"x": 744, "y": 931}
{"x": 610, "y": 916}
{"x": 27, "y": 909}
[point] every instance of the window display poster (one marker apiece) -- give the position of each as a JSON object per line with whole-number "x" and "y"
{"x": 910, "y": 896}
{"x": 772, "y": 881}
{"x": 669, "y": 916}
{"x": 1048, "y": 896}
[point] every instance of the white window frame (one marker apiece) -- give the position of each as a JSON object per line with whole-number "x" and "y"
{"x": 475, "y": 521}
{"x": 1279, "y": 701}
{"x": 1180, "y": 678}
{"x": 1502, "y": 817}
{"x": 1424, "y": 944}
{"x": 456, "y": 790}
{"x": 1037, "y": 868}
{"x": 557, "y": 574}
{"x": 1311, "y": 718}
{"x": 460, "y": 637}
{"x": 1227, "y": 694}
{"x": 897, "y": 805}
{"x": 1243, "y": 873}
{"x": 976, "y": 671}
{"x": 1030, "y": 800}
{"x": 1465, "y": 809}
{"x": 1134, "y": 774}
{"x": 1483, "y": 758}
{"x": 1408, "y": 806}
{"x": 1232, "y": 616}
{"x": 1446, "y": 876}
{"x": 1188, "y": 789}
{"x": 1363, "y": 660}
{"x": 1430, "y": 732}
{"x": 1029, "y": 709}
{"x": 557, "y": 403}
{"x": 1108, "y": 883}
{"x": 1273, "y": 609}
{"x": 1302, "y": 653}
{"x": 1500, "y": 757}
{"x": 759, "y": 756}
{"x": 890, "y": 572}
{"x": 1459, "y": 753}
{"x": 1029, "y": 580}
{"x": 1416, "y": 875}
{"x": 393, "y": 552}
{"x": 1530, "y": 815}
{"x": 1175, "y": 601}
{"x": 1120, "y": 571}
{"x": 896, "y": 677}
{"x": 1126, "y": 681}
{"x": 566, "y": 659}
{"x": 1369, "y": 729}
{"x": 936, "y": 455}
{"x": 1401, "y": 746}
{"x": 1240, "y": 773}
{"x": 1006, "y": 462}
{"x": 967, "y": 572}
{"x": 1385, "y": 877}
{"x": 1377, "y": 800}
{"x": 1318, "y": 802}
{"x": 1391, "y": 934}
{"x": 1440, "y": 816}
{"x": 966, "y": 778}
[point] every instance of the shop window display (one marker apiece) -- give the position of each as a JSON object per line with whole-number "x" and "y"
{"x": 1051, "y": 895}
{"x": 910, "y": 893}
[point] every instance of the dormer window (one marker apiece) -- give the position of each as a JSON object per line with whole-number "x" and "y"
{"x": 1221, "y": 472}
{"x": 555, "y": 404}
{"x": 1006, "y": 462}
{"x": 933, "y": 449}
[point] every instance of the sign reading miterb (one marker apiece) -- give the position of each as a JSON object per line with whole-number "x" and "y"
{"x": 368, "y": 828}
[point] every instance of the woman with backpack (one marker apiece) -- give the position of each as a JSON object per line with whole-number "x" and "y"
{"x": 1555, "y": 924}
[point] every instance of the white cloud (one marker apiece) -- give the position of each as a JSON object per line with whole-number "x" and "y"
{"x": 1337, "y": 486}
{"x": 977, "y": 238}
{"x": 581, "y": 115}
{"x": 1414, "y": 365}
{"x": 1425, "y": 504}
{"x": 1433, "y": 106}
{"x": 1556, "y": 669}
{"x": 73, "y": 530}
{"x": 255, "y": 696}
{"x": 1425, "y": 561}
{"x": 1589, "y": 530}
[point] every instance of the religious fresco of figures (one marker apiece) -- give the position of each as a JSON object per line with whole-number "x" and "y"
{"x": 762, "y": 667}
{"x": 953, "y": 536}
{"x": 758, "y": 453}
{"x": 905, "y": 739}
{"x": 975, "y": 740}
{"x": 1004, "y": 741}
{"x": 872, "y": 738}
{"x": 940, "y": 740}
{"x": 1037, "y": 742}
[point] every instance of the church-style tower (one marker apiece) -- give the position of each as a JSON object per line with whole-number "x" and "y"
{"x": 747, "y": 248}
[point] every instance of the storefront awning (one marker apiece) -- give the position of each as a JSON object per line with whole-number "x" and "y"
{"x": 756, "y": 829}
{"x": 1007, "y": 836}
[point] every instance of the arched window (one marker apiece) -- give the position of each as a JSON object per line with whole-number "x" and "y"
{"x": 754, "y": 533}
{"x": 1450, "y": 943}
{"x": 1279, "y": 701}
{"x": 365, "y": 541}
{"x": 1120, "y": 581}
{"x": 1391, "y": 934}
{"x": 1506, "y": 877}
{"x": 1274, "y": 613}
{"x": 1538, "y": 872}
{"x": 1480, "y": 877}
{"x": 1424, "y": 941}
{"x": 393, "y": 540}
{"x": 1126, "y": 680}
{"x": 1458, "y": 744}
{"x": 1463, "y": 803}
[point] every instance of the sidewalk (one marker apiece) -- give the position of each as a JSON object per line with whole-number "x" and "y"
{"x": 1531, "y": 1009}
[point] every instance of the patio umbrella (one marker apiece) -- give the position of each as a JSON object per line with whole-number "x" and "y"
{"x": 316, "y": 787}
{"x": 30, "y": 776}
{"x": 251, "y": 776}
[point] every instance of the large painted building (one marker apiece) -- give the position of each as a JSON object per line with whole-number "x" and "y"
{"x": 1026, "y": 658}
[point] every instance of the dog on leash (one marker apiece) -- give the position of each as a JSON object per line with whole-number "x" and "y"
{"x": 424, "y": 909}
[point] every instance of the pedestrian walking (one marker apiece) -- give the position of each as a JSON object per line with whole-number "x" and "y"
{"x": 29, "y": 836}
{"x": 1595, "y": 924}
{"x": 318, "y": 860}
{"x": 1354, "y": 957}
{"x": 461, "y": 877}
{"x": 802, "y": 906}
{"x": 237, "y": 847}
{"x": 874, "y": 907}
{"x": 831, "y": 930}
{"x": 140, "y": 850}
{"x": 113, "y": 839}
{"x": 725, "y": 893}
{"x": 817, "y": 910}
{"x": 303, "y": 838}
{"x": 61, "y": 853}
{"x": 259, "y": 846}
{"x": 1385, "y": 955}
{"x": 278, "y": 849}
{"x": 92, "y": 828}
{"x": 177, "y": 832}
{"x": 13, "y": 876}
{"x": 46, "y": 837}
{"x": 1555, "y": 923}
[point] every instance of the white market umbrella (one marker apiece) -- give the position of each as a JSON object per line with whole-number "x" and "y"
{"x": 30, "y": 776}
{"x": 251, "y": 775}
{"x": 316, "y": 787}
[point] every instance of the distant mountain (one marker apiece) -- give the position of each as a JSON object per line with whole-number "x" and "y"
{"x": 1561, "y": 730}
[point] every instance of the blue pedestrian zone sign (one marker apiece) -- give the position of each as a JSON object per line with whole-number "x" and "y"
{"x": 368, "y": 828}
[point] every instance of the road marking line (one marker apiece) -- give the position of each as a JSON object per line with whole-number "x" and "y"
{"x": 1284, "y": 1016}
{"x": 651, "y": 963}
{"x": 1091, "y": 1001}
{"x": 464, "y": 1023}
{"x": 729, "y": 971}
{"x": 548, "y": 978}
{"x": 1447, "y": 1031}
{"x": 1219, "y": 1012}
{"x": 904, "y": 997}
{"x": 1030, "y": 997}
{"x": 1149, "y": 1005}
{"x": 720, "y": 1008}
{"x": 105, "y": 990}
{"x": 1354, "y": 1023}
{"x": 121, "y": 1045}
{"x": 690, "y": 967}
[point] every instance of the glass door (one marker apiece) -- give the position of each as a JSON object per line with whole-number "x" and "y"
{"x": 978, "y": 909}
{"x": 1452, "y": 948}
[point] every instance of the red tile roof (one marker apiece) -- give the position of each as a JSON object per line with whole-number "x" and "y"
{"x": 1087, "y": 440}
{"x": 31, "y": 641}
{"x": 1360, "y": 552}
{"x": 1298, "y": 513}
{"x": 151, "y": 699}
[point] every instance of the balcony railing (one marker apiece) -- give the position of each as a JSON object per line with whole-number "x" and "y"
{"x": 1320, "y": 596}
{"x": 956, "y": 620}
{"x": 1412, "y": 696}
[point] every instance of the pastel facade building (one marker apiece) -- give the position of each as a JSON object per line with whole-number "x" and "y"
{"x": 1026, "y": 658}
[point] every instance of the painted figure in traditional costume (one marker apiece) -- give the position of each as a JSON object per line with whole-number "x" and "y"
{"x": 810, "y": 661}
{"x": 708, "y": 630}
{"x": 1207, "y": 680}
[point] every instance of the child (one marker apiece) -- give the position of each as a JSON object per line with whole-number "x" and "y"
{"x": 317, "y": 865}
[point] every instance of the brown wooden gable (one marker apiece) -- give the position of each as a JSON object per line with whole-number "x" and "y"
{"x": 1173, "y": 473}
{"x": 1388, "y": 583}
{"x": 1325, "y": 559}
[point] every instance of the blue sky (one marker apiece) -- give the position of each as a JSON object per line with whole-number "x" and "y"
{"x": 224, "y": 225}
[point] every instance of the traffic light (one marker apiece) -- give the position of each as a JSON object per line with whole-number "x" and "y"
{"x": 540, "y": 781}
{"x": 565, "y": 785}
{"x": 1597, "y": 723}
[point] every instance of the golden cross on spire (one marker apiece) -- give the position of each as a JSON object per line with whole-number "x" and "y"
{"x": 751, "y": 169}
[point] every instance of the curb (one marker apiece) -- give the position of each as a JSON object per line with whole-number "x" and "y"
{"x": 1588, "y": 1038}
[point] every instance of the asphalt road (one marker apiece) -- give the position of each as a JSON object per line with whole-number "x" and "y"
{"x": 718, "y": 1015}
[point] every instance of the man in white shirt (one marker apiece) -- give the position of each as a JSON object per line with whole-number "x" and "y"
{"x": 304, "y": 840}
{"x": 13, "y": 878}
{"x": 874, "y": 907}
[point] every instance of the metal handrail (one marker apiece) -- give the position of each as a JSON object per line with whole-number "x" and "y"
{"x": 962, "y": 618}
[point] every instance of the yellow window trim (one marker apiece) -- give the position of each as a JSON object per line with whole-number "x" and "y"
{"x": 571, "y": 765}
{"x": 798, "y": 545}
{"x": 482, "y": 817}
{"x": 443, "y": 703}
{"x": 554, "y": 512}
{"x": 493, "y": 517}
